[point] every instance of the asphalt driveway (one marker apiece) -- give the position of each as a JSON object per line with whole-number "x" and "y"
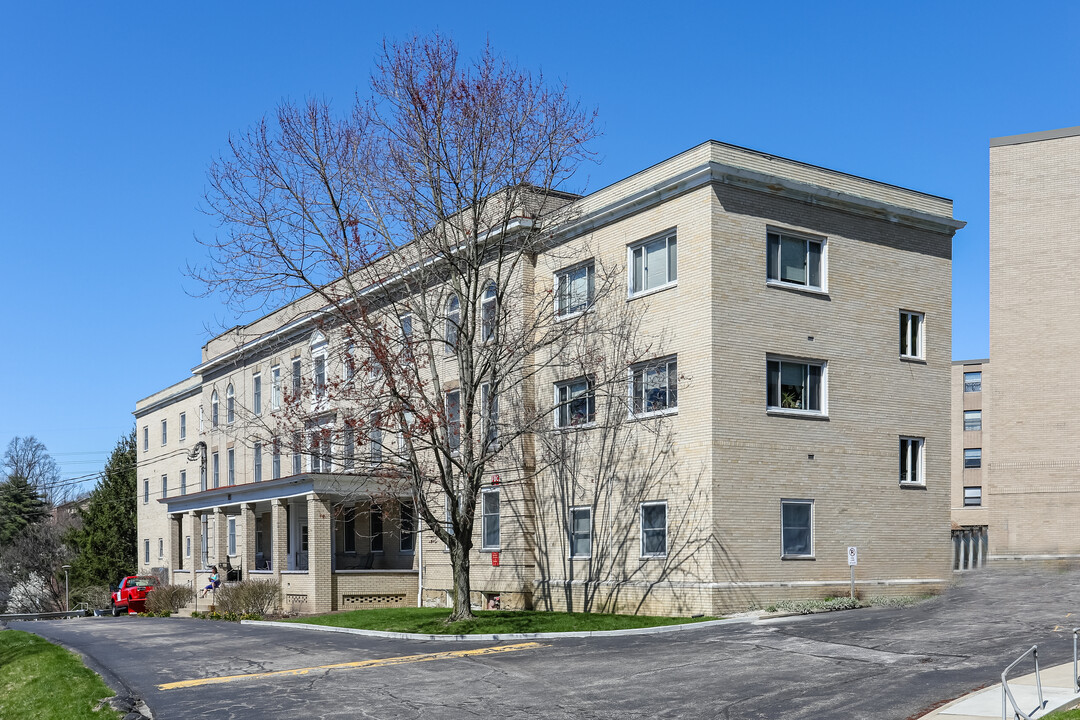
{"x": 875, "y": 663}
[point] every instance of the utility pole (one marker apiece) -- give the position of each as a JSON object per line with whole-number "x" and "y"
{"x": 67, "y": 594}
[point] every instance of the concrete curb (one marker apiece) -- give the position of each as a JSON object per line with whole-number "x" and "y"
{"x": 507, "y": 636}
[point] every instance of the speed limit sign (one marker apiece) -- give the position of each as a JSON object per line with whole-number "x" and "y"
{"x": 852, "y": 556}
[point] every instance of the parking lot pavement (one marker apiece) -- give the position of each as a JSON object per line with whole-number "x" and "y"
{"x": 874, "y": 663}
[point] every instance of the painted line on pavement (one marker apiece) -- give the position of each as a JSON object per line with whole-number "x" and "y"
{"x": 379, "y": 662}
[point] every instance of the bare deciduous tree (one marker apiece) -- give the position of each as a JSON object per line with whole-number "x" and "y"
{"x": 413, "y": 224}
{"x": 27, "y": 457}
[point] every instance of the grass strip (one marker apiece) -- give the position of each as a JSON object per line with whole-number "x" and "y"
{"x": 432, "y": 621}
{"x": 42, "y": 680}
{"x": 1073, "y": 714}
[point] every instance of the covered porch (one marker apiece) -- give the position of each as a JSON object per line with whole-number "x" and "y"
{"x": 333, "y": 542}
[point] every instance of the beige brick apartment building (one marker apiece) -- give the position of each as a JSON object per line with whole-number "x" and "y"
{"x": 795, "y": 403}
{"x": 1030, "y": 454}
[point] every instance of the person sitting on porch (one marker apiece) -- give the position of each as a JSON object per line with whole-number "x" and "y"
{"x": 215, "y": 580}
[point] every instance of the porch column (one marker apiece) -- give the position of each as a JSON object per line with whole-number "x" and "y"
{"x": 320, "y": 553}
{"x": 196, "y": 545}
{"x": 278, "y": 547}
{"x": 176, "y": 544}
{"x": 247, "y": 539}
{"x": 221, "y": 549}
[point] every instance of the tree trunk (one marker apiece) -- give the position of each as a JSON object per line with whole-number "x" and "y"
{"x": 459, "y": 558}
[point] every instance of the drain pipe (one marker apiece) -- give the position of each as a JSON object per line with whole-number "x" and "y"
{"x": 420, "y": 565}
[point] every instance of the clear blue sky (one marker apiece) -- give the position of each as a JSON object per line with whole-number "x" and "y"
{"x": 110, "y": 112}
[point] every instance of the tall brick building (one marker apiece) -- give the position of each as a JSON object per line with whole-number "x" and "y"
{"x": 796, "y": 404}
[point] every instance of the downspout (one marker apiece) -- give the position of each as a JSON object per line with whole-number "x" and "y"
{"x": 420, "y": 564}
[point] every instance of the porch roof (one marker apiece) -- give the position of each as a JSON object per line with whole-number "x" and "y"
{"x": 286, "y": 487}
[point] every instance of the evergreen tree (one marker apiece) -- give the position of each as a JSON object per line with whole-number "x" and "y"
{"x": 107, "y": 543}
{"x": 20, "y": 507}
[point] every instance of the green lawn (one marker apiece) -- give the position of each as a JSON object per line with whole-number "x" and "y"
{"x": 1064, "y": 715}
{"x": 40, "y": 680}
{"x": 433, "y": 621}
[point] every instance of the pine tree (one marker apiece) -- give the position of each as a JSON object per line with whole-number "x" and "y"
{"x": 107, "y": 542}
{"x": 20, "y": 507}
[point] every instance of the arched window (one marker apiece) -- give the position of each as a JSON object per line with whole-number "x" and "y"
{"x": 487, "y": 313}
{"x": 453, "y": 323}
{"x": 214, "y": 409}
{"x": 230, "y": 405}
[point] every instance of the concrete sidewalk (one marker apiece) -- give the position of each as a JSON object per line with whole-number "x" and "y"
{"x": 1057, "y": 690}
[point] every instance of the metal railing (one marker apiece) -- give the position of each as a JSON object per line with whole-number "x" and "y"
{"x": 1007, "y": 696}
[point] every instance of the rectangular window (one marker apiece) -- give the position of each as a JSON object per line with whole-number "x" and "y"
{"x": 319, "y": 376}
{"x": 275, "y": 459}
{"x": 795, "y": 260}
{"x": 972, "y": 382}
{"x": 575, "y": 403}
{"x": 654, "y": 264}
{"x": 796, "y": 385}
{"x": 490, "y": 519}
{"x": 256, "y": 394}
{"x": 911, "y": 335}
{"x": 275, "y": 388}
{"x": 376, "y": 529}
{"x": 164, "y": 432}
{"x": 183, "y": 427}
{"x": 406, "y": 326}
{"x": 204, "y": 542}
{"x": 297, "y": 377}
{"x": 187, "y": 546}
{"x": 216, "y": 464}
{"x": 256, "y": 452}
{"x": 164, "y": 486}
{"x": 232, "y": 466}
{"x": 654, "y": 529}
{"x": 972, "y": 457}
{"x": 349, "y": 447}
{"x": 297, "y": 457}
{"x": 489, "y": 409}
{"x": 146, "y": 437}
{"x": 408, "y": 527}
{"x": 376, "y": 435}
{"x": 146, "y": 552}
{"x": 654, "y": 387}
{"x": 232, "y": 536}
{"x": 973, "y": 496}
{"x": 453, "y": 420}
{"x": 348, "y": 530}
{"x": 574, "y": 290}
{"x": 972, "y": 420}
{"x": 183, "y": 482}
{"x": 581, "y": 532}
{"x": 911, "y": 460}
{"x": 145, "y": 491}
{"x": 160, "y": 548}
{"x": 797, "y": 528}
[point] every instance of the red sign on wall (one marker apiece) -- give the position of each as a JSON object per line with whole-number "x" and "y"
{"x": 494, "y": 559}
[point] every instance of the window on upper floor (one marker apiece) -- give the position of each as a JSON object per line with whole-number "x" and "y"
{"x": 575, "y": 403}
{"x": 574, "y": 289}
{"x": 297, "y": 377}
{"x": 489, "y": 500}
{"x": 912, "y": 450}
{"x": 796, "y": 528}
{"x": 275, "y": 387}
{"x": 654, "y": 264}
{"x": 972, "y": 420}
{"x": 256, "y": 454}
{"x": 348, "y": 452}
{"x": 145, "y": 491}
{"x": 654, "y": 529}
{"x": 794, "y": 260}
{"x": 972, "y": 382}
{"x": 375, "y": 434}
{"x": 164, "y": 486}
{"x": 215, "y": 463}
{"x": 275, "y": 459}
{"x": 256, "y": 393}
{"x": 146, "y": 437}
{"x": 973, "y": 496}
{"x": 453, "y": 420}
{"x": 972, "y": 458}
{"x": 453, "y": 323}
{"x": 489, "y": 309}
{"x": 214, "y": 409}
{"x": 230, "y": 405}
{"x": 796, "y": 386}
{"x": 489, "y": 415}
{"x": 911, "y": 335}
{"x": 318, "y": 379}
{"x": 183, "y": 427}
{"x": 183, "y": 482}
{"x": 164, "y": 432}
{"x": 654, "y": 387}
{"x": 297, "y": 455}
{"x": 580, "y": 532}
{"x": 146, "y": 551}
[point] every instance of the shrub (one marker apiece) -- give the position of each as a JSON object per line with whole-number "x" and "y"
{"x": 168, "y": 598}
{"x": 96, "y": 596}
{"x": 249, "y": 597}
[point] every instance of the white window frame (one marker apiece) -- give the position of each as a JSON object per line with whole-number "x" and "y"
{"x": 146, "y": 491}
{"x": 573, "y": 534}
{"x": 670, "y": 366}
{"x": 375, "y": 436}
{"x": 973, "y": 493}
{"x": 146, "y": 551}
{"x": 215, "y": 405}
{"x": 823, "y": 389}
{"x": 230, "y": 405}
{"x": 489, "y": 311}
{"x": 669, "y": 238}
{"x": 912, "y": 448}
{"x": 563, "y": 284}
{"x": 773, "y": 263}
{"x": 275, "y": 458}
{"x": 164, "y": 486}
{"x": 230, "y": 465}
{"x": 232, "y": 536}
{"x": 972, "y": 458}
{"x": 641, "y": 528}
{"x": 348, "y": 447}
{"x": 489, "y": 416}
{"x": 297, "y": 377}
{"x": 485, "y": 518}
{"x": 256, "y": 451}
{"x": 407, "y": 530}
{"x": 453, "y": 324}
{"x": 784, "y": 555}
{"x": 164, "y": 433}
{"x": 298, "y": 453}
{"x": 976, "y": 417}
{"x": 912, "y": 335}
{"x": 562, "y": 405}
{"x": 972, "y": 385}
{"x": 275, "y": 387}
{"x": 187, "y": 546}
{"x": 216, "y": 465}
{"x": 183, "y": 427}
{"x": 146, "y": 438}
{"x": 256, "y": 394}
{"x": 161, "y": 548}
{"x": 453, "y": 424}
{"x": 183, "y": 482}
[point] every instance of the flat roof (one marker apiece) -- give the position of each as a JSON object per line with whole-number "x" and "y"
{"x": 984, "y": 361}
{"x": 1035, "y": 136}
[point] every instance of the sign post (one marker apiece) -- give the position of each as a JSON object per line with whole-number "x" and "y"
{"x": 852, "y": 561}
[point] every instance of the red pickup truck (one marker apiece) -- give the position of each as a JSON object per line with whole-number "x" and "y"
{"x": 131, "y": 595}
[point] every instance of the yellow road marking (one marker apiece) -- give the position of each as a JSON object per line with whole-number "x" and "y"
{"x": 380, "y": 662}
